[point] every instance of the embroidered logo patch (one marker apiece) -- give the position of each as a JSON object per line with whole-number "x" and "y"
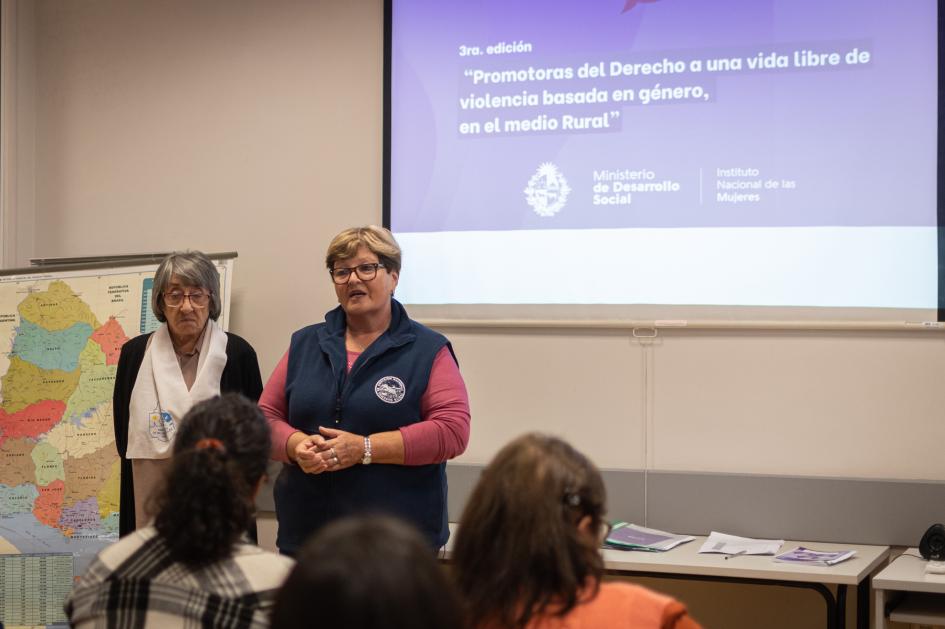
{"x": 161, "y": 425}
{"x": 390, "y": 389}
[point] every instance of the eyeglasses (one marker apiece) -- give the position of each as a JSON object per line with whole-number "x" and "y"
{"x": 197, "y": 299}
{"x": 365, "y": 272}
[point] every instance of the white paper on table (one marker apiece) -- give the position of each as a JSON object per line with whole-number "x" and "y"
{"x": 734, "y": 545}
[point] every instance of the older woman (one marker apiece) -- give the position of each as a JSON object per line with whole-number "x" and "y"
{"x": 527, "y": 554}
{"x": 366, "y": 407}
{"x": 161, "y": 375}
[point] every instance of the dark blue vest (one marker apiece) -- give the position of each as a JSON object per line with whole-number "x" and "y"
{"x": 382, "y": 392}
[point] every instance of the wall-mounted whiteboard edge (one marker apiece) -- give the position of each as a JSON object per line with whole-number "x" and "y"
{"x": 641, "y": 327}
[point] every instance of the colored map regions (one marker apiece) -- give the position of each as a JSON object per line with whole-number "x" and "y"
{"x": 85, "y": 475}
{"x": 82, "y": 515}
{"x": 48, "y": 463}
{"x": 51, "y": 349}
{"x": 24, "y": 383}
{"x": 56, "y": 308}
{"x": 72, "y": 503}
{"x": 109, "y": 493}
{"x": 95, "y": 432}
{"x": 32, "y": 421}
{"x": 17, "y": 499}
{"x": 96, "y": 383}
{"x": 110, "y": 337}
{"x": 16, "y": 462}
{"x": 62, "y": 333}
{"x": 48, "y": 506}
{"x": 68, "y": 494}
{"x": 59, "y": 471}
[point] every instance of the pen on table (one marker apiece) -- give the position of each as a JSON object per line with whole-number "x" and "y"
{"x": 741, "y": 552}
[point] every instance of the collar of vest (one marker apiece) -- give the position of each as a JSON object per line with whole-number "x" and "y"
{"x": 400, "y": 331}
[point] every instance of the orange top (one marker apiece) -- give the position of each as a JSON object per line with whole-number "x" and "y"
{"x": 623, "y": 606}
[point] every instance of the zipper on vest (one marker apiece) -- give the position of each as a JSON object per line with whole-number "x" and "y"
{"x": 345, "y": 386}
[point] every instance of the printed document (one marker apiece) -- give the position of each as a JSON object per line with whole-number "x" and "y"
{"x": 734, "y": 545}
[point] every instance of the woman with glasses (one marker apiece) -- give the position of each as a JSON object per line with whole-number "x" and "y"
{"x": 162, "y": 374}
{"x": 366, "y": 407}
{"x": 527, "y": 553}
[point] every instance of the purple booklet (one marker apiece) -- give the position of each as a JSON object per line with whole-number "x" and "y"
{"x": 806, "y": 556}
{"x": 633, "y": 537}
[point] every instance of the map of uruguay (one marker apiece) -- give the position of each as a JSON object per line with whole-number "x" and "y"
{"x": 57, "y": 455}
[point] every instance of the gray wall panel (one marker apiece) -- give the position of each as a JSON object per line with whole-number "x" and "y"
{"x": 837, "y": 510}
{"x": 855, "y": 511}
{"x": 462, "y": 479}
{"x": 806, "y": 508}
{"x": 625, "y": 491}
{"x": 626, "y": 494}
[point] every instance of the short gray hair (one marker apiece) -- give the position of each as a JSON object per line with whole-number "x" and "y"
{"x": 193, "y": 268}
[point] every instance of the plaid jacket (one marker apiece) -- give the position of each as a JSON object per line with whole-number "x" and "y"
{"x": 134, "y": 583}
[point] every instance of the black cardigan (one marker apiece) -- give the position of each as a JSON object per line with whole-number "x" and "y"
{"x": 240, "y": 375}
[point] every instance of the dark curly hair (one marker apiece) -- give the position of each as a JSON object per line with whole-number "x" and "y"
{"x": 220, "y": 454}
{"x": 519, "y": 552}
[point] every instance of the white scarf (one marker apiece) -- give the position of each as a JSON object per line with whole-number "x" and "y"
{"x": 160, "y": 398}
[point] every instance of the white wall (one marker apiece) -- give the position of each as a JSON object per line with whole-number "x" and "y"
{"x": 18, "y": 119}
{"x": 833, "y": 404}
{"x": 218, "y": 125}
{"x": 864, "y": 405}
{"x": 255, "y": 126}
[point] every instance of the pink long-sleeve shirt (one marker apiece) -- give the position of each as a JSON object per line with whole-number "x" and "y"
{"x": 441, "y": 435}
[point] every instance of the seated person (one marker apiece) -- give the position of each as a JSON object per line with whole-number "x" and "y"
{"x": 371, "y": 573}
{"x": 194, "y": 565}
{"x": 527, "y": 553}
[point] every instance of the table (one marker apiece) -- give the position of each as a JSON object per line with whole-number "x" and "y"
{"x": 905, "y": 593}
{"x": 685, "y": 562}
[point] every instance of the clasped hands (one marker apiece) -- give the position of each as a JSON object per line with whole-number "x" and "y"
{"x": 329, "y": 450}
